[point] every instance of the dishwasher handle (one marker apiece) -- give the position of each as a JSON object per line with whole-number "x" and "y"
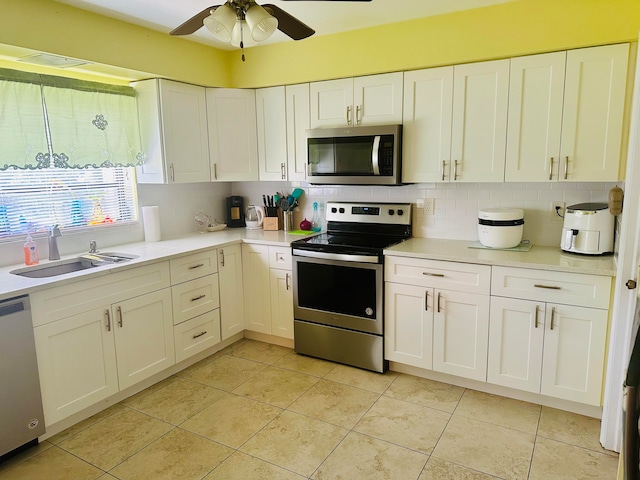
{"x": 14, "y": 305}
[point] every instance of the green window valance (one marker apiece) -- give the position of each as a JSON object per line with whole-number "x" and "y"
{"x": 48, "y": 121}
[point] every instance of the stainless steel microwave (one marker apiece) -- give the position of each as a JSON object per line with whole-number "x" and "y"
{"x": 368, "y": 155}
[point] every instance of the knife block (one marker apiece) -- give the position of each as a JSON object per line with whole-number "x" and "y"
{"x": 272, "y": 219}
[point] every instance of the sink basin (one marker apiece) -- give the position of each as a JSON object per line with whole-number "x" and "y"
{"x": 83, "y": 262}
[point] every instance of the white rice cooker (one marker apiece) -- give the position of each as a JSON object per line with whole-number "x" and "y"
{"x": 588, "y": 228}
{"x": 500, "y": 227}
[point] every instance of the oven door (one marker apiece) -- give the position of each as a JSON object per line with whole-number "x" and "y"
{"x": 337, "y": 292}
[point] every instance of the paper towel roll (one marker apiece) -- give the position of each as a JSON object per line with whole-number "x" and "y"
{"x": 151, "y": 223}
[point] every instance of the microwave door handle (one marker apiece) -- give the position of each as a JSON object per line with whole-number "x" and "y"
{"x": 375, "y": 160}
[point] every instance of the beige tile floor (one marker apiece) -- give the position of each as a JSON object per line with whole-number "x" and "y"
{"x": 259, "y": 411}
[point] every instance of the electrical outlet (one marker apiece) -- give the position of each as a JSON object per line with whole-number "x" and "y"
{"x": 557, "y": 211}
{"x": 429, "y": 206}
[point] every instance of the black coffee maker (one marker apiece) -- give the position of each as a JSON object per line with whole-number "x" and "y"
{"x": 234, "y": 212}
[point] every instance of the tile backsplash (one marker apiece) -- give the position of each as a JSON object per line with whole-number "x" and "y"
{"x": 456, "y": 205}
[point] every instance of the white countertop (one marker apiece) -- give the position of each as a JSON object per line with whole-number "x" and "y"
{"x": 147, "y": 252}
{"x": 539, "y": 257}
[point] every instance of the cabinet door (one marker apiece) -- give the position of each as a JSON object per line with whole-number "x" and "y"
{"x": 426, "y": 133}
{"x": 144, "y": 336}
{"x": 573, "y": 358}
{"x": 153, "y": 168}
{"x": 461, "y": 334}
{"x": 298, "y": 122}
{"x": 536, "y": 89}
{"x": 76, "y": 362}
{"x": 408, "y": 336}
{"x": 480, "y": 95}
{"x": 281, "y": 303}
{"x": 231, "y": 290}
{"x": 377, "y": 99}
{"x": 184, "y": 129}
{"x": 233, "y": 143}
{"x": 332, "y": 103}
{"x": 271, "y": 117}
{"x": 257, "y": 294}
{"x": 592, "y": 120}
{"x": 516, "y": 334}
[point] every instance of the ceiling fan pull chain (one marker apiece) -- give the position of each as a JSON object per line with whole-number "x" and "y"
{"x": 242, "y": 41}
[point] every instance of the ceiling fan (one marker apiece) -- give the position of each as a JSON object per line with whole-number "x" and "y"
{"x": 228, "y": 22}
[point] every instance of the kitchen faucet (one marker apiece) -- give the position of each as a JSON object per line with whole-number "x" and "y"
{"x": 52, "y": 234}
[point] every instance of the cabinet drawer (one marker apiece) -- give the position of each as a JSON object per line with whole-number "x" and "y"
{"x": 194, "y": 298}
{"x": 461, "y": 277}
{"x": 280, "y": 257}
{"x": 558, "y": 287}
{"x": 193, "y": 266}
{"x": 78, "y": 297}
{"x": 197, "y": 334}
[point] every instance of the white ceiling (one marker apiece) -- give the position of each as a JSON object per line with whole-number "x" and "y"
{"x": 325, "y": 17}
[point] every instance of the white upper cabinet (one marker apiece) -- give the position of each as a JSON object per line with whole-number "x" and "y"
{"x": 271, "y": 119}
{"x": 426, "y": 135}
{"x": 566, "y": 115}
{"x": 370, "y": 100}
{"x": 232, "y": 134}
{"x": 298, "y": 122}
{"x": 536, "y": 91}
{"x": 479, "y": 124}
{"x": 173, "y": 129}
{"x": 592, "y": 120}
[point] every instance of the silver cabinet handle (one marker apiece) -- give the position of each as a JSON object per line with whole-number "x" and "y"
{"x": 173, "y": 172}
{"x": 551, "y": 168}
{"x": 199, "y": 265}
{"x": 438, "y": 303}
{"x": 222, "y": 258}
{"x": 286, "y": 281}
{"x": 283, "y": 172}
{"x": 348, "y": 114}
{"x": 536, "y": 318}
{"x": 444, "y": 164}
{"x": 215, "y": 171}
{"x": 429, "y": 274}
{"x": 548, "y": 287}
{"x": 455, "y": 170}
{"x": 119, "y": 311}
{"x": 358, "y": 114}
{"x": 199, "y": 335}
{"x": 553, "y": 314}
{"x": 199, "y": 297}
{"x": 566, "y": 166}
{"x": 107, "y": 316}
{"x": 426, "y": 300}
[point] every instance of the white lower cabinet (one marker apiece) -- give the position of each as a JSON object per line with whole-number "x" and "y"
{"x": 231, "y": 290}
{"x": 87, "y": 357}
{"x": 268, "y": 296}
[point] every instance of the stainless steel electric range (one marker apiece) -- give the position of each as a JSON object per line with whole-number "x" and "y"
{"x": 338, "y": 283}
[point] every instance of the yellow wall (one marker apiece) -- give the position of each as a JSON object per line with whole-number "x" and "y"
{"x": 504, "y": 30}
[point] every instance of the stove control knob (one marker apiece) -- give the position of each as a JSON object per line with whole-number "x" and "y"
{"x": 341, "y": 210}
{"x": 334, "y": 209}
{"x": 400, "y": 212}
{"x": 391, "y": 211}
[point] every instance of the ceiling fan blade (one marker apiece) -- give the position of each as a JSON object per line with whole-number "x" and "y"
{"x": 194, "y": 23}
{"x": 288, "y": 24}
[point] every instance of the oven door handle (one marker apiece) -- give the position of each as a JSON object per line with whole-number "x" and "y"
{"x": 345, "y": 257}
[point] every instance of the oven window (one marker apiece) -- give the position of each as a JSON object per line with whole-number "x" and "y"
{"x": 338, "y": 289}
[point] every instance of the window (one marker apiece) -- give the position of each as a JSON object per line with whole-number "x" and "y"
{"x": 68, "y": 153}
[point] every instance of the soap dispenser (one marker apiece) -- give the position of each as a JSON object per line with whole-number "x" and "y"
{"x": 316, "y": 221}
{"x": 30, "y": 251}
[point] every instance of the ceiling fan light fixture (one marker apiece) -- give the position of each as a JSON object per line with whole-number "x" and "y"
{"x": 221, "y": 22}
{"x": 236, "y": 35}
{"x": 261, "y": 24}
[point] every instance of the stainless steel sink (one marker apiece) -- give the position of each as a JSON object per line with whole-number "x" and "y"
{"x": 82, "y": 262}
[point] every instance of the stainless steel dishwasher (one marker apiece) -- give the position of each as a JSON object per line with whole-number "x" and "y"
{"x": 21, "y": 416}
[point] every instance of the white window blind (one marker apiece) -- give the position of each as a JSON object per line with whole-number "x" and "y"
{"x": 34, "y": 200}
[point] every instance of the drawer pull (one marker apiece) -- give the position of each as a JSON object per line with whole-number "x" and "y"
{"x": 429, "y": 274}
{"x": 199, "y": 297}
{"x": 553, "y": 314}
{"x": 200, "y": 334}
{"x": 119, "y": 311}
{"x": 193, "y": 267}
{"x": 549, "y": 287}
{"x": 536, "y": 318}
{"x": 107, "y": 316}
